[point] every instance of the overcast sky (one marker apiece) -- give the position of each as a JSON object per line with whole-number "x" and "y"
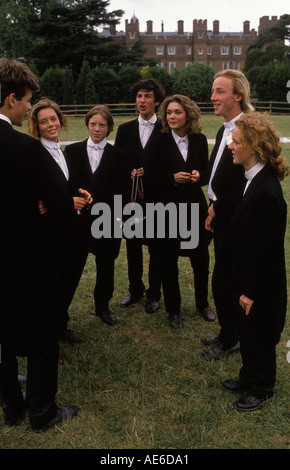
{"x": 231, "y": 14}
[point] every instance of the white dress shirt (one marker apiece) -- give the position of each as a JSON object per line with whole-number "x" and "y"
{"x": 56, "y": 152}
{"x": 251, "y": 173}
{"x": 95, "y": 152}
{"x": 229, "y": 127}
{"x": 182, "y": 144}
{"x": 146, "y": 128}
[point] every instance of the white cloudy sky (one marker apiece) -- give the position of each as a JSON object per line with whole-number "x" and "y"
{"x": 231, "y": 14}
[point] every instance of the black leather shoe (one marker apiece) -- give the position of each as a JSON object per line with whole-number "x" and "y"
{"x": 62, "y": 413}
{"x": 251, "y": 403}
{"x": 130, "y": 299}
{"x": 152, "y": 305}
{"x": 207, "y": 314}
{"x": 217, "y": 351}
{"x": 175, "y": 321}
{"x": 234, "y": 385}
{"x": 107, "y": 317}
{"x": 210, "y": 340}
{"x": 14, "y": 418}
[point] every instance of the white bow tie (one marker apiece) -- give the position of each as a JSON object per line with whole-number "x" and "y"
{"x": 147, "y": 123}
{"x": 95, "y": 147}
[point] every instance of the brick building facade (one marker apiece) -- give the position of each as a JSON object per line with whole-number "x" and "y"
{"x": 220, "y": 50}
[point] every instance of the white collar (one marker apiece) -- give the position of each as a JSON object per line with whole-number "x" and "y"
{"x": 101, "y": 144}
{"x": 152, "y": 120}
{"x": 231, "y": 124}
{"x": 5, "y": 118}
{"x": 177, "y": 138}
{"x": 251, "y": 173}
{"x": 49, "y": 143}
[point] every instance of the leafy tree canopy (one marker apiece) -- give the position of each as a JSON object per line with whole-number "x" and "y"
{"x": 54, "y": 32}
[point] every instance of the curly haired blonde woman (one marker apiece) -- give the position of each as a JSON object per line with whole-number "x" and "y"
{"x": 258, "y": 272}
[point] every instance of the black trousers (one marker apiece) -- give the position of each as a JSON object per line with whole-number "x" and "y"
{"x": 199, "y": 260}
{"x": 41, "y": 386}
{"x": 134, "y": 247}
{"x": 258, "y": 371}
{"x": 104, "y": 252}
{"x": 224, "y": 296}
{"x": 165, "y": 253}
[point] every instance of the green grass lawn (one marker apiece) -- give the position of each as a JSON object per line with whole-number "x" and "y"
{"x": 142, "y": 385}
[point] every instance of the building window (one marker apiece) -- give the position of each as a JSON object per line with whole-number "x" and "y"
{"x": 188, "y": 50}
{"x": 226, "y": 66}
{"x": 200, "y": 51}
{"x": 187, "y": 64}
{"x": 237, "y": 65}
{"x": 159, "y": 50}
{"x": 209, "y": 51}
{"x": 237, "y": 50}
{"x": 172, "y": 66}
{"x": 132, "y": 35}
{"x": 200, "y": 35}
{"x": 224, "y": 50}
{"x": 171, "y": 50}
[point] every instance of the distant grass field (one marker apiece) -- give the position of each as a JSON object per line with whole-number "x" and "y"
{"x": 210, "y": 123}
{"x": 142, "y": 385}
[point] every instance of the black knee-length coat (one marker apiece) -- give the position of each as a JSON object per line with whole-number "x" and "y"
{"x": 258, "y": 257}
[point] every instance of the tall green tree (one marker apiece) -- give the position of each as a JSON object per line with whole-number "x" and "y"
{"x": 54, "y": 32}
{"x": 14, "y": 38}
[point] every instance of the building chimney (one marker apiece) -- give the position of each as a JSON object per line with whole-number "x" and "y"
{"x": 180, "y": 27}
{"x": 113, "y": 29}
{"x": 162, "y": 27}
{"x": 246, "y": 27}
{"x": 149, "y": 27}
{"x": 216, "y": 27}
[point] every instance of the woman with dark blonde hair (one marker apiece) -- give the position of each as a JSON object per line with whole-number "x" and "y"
{"x": 174, "y": 172}
{"x": 258, "y": 272}
{"x": 45, "y": 122}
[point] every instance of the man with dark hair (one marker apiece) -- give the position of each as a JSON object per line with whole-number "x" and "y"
{"x": 30, "y": 291}
{"x": 132, "y": 138}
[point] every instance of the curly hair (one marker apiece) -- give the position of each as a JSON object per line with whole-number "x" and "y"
{"x": 32, "y": 126}
{"x": 259, "y": 133}
{"x": 193, "y": 117}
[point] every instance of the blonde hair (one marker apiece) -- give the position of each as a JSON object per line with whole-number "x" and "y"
{"x": 32, "y": 126}
{"x": 241, "y": 86}
{"x": 193, "y": 118}
{"x": 259, "y": 133}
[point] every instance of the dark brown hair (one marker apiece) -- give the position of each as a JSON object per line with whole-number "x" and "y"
{"x": 16, "y": 77}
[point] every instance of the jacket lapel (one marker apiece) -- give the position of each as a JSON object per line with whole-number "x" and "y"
{"x": 247, "y": 197}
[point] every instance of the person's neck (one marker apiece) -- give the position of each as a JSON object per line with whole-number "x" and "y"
{"x": 5, "y": 113}
{"x": 232, "y": 114}
{"x": 146, "y": 117}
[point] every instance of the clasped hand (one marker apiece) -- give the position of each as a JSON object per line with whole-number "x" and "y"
{"x": 184, "y": 177}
